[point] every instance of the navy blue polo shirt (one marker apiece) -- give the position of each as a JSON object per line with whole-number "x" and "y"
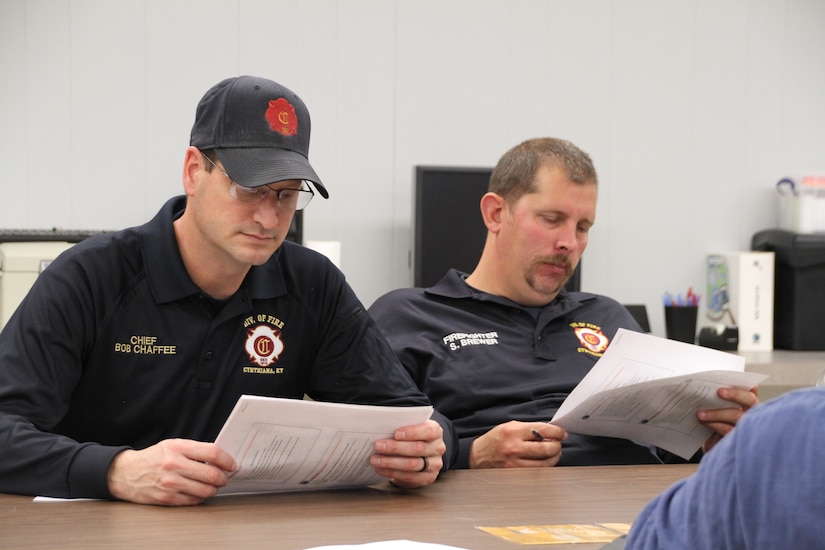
{"x": 116, "y": 347}
{"x": 484, "y": 360}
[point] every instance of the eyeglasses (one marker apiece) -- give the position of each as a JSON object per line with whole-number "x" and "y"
{"x": 286, "y": 198}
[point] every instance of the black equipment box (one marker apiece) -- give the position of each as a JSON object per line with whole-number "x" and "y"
{"x": 799, "y": 291}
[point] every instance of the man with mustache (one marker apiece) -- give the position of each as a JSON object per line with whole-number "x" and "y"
{"x": 499, "y": 350}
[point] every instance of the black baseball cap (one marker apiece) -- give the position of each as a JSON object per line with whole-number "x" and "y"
{"x": 259, "y": 129}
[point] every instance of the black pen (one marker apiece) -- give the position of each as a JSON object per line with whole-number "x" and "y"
{"x": 538, "y": 436}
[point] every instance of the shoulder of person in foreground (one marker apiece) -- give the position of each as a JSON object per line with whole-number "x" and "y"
{"x": 763, "y": 486}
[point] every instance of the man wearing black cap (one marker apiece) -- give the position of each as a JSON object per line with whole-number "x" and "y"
{"x": 131, "y": 349}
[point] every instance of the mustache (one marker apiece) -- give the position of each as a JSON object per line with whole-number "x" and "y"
{"x": 559, "y": 260}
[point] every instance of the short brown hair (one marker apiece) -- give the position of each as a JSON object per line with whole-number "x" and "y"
{"x": 514, "y": 175}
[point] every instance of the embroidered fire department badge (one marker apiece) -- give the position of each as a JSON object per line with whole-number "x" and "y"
{"x": 281, "y": 117}
{"x": 592, "y": 338}
{"x": 264, "y": 345}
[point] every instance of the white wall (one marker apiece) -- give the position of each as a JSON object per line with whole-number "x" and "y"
{"x": 691, "y": 110}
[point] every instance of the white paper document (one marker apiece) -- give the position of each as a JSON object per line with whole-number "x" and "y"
{"x": 300, "y": 445}
{"x": 648, "y": 389}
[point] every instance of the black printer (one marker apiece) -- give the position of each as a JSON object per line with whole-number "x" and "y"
{"x": 799, "y": 291}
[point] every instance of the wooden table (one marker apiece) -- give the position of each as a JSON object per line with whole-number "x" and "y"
{"x": 788, "y": 370}
{"x": 445, "y": 513}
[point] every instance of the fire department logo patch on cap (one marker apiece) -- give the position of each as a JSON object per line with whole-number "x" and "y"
{"x": 264, "y": 345}
{"x": 281, "y": 117}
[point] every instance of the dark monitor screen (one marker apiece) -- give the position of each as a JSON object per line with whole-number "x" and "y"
{"x": 448, "y": 229}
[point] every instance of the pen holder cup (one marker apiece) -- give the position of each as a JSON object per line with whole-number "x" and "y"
{"x": 680, "y": 323}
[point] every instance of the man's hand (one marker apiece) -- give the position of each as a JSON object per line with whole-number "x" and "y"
{"x": 413, "y": 457}
{"x": 515, "y": 445}
{"x": 722, "y": 421}
{"x": 174, "y": 472}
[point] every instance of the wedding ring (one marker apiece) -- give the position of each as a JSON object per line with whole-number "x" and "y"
{"x": 426, "y": 464}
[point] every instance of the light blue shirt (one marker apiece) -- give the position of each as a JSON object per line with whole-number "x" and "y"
{"x": 762, "y": 486}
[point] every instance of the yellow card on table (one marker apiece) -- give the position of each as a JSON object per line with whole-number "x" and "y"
{"x": 565, "y": 533}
